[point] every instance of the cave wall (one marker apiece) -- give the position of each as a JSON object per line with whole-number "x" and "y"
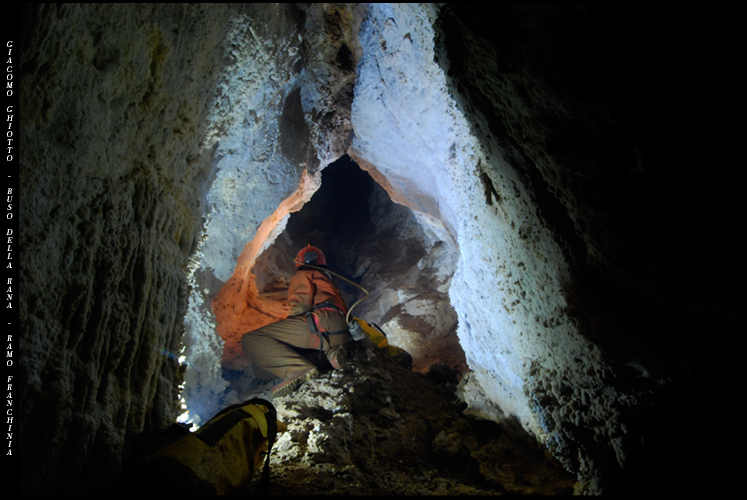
{"x": 163, "y": 147}
{"x": 527, "y": 357}
{"x": 124, "y": 108}
{"x": 602, "y": 126}
{"x": 115, "y": 104}
{"x": 270, "y": 164}
{"x": 261, "y": 151}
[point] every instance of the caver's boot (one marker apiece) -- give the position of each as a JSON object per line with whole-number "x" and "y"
{"x": 336, "y": 357}
{"x": 293, "y": 382}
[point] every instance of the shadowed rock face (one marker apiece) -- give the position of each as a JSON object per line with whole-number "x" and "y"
{"x": 497, "y": 179}
{"x": 346, "y": 429}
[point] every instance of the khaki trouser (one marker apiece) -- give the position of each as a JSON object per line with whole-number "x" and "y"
{"x": 279, "y": 348}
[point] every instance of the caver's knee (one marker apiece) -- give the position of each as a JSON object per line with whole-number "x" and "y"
{"x": 248, "y": 341}
{"x": 337, "y": 340}
{"x": 332, "y": 321}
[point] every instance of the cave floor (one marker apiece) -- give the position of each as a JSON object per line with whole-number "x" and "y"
{"x": 375, "y": 428}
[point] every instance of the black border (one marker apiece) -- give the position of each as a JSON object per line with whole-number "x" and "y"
{"x": 10, "y": 174}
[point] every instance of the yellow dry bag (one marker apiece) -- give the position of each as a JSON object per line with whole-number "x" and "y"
{"x": 220, "y": 458}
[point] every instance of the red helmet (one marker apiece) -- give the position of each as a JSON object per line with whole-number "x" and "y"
{"x": 310, "y": 255}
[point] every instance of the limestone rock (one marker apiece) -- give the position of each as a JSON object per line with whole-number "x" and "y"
{"x": 374, "y": 428}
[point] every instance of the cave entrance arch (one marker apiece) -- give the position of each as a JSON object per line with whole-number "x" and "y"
{"x": 381, "y": 246}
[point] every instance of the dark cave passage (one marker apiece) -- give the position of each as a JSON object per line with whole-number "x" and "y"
{"x": 338, "y": 215}
{"x": 338, "y": 218}
{"x": 379, "y": 245}
{"x": 365, "y": 236}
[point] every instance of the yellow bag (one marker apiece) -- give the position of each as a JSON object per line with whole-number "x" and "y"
{"x": 219, "y": 458}
{"x": 378, "y": 337}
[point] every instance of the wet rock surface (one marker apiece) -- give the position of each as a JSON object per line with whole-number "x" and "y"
{"x": 375, "y": 428}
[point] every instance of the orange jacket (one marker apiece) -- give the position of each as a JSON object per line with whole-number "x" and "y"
{"x": 310, "y": 287}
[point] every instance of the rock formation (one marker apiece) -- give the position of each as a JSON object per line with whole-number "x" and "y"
{"x": 518, "y": 217}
